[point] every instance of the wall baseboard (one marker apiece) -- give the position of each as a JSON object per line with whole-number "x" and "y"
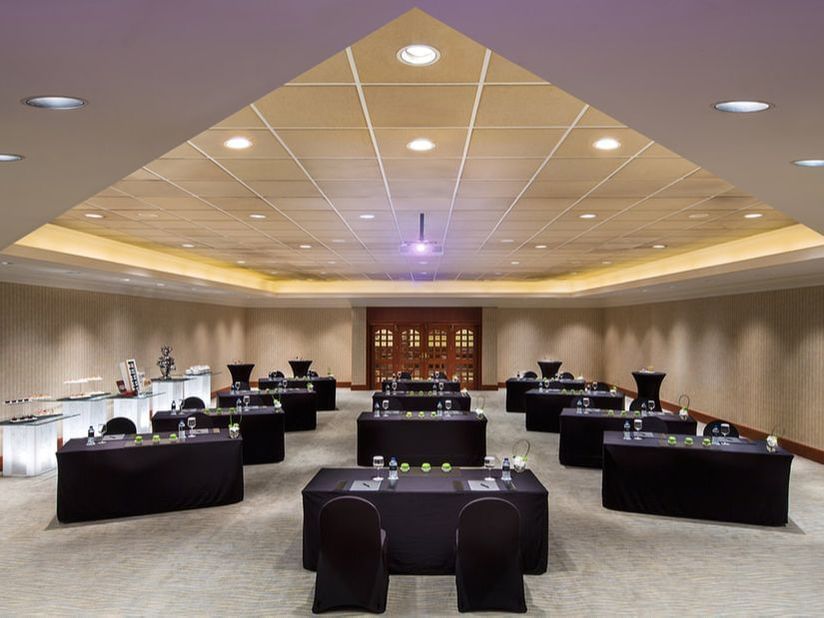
{"x": 798, "y": 448}
{"x": 488, "y": 387}
{"x": 360, "y": 387}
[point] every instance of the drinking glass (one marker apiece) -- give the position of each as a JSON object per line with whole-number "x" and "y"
{"x": 651, "y": 405}
{"x": 236, "y": 386}
{"x": 715, "y": 434}
{"x": 546, "y": 383}
{"x": 246, "y": 400}
{"x": 448, "y": 405}
{"x": 385, "y": 405}
{"x": 440, "y": 386}
{"x": 489, "y": 464}
{"x": 586, "y": 404}
{"x": 638, "y": 424}
{"x": 643, "y": 409}
{"x": 394, "y": 385}
{"x": 377, "y": 463}
{"x": 434, "y": 387}
{"x": 725, "y": 431}
{"x": 377, "y": 409}
{"x": 284, "y": 383}
{"x": 580, "y": 407}
{"x": 191, "y": 422}
{"x": 101, "y": 429}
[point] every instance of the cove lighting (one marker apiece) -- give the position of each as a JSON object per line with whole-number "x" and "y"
{"x": 241, "y": 262}
{"x": 809, "y": 162}
{"x": 55, "y": 102}
{"x": 366, "y": 217}
{"x": 421, "y": 144}
{"x": 418, "y": 55}
{"x": 587, "y": 215}
{"x": 607, "y": 143}
{"x": 305, "y": 246}
{"x": 659, "y": 246}
{"x": 514, "y": 263}
{"x": 742, "y": 107}
{"x": 9, "y": 157}
{"x": 238, "y": 143}
{"x": 540, "y": 246}
{"x": 256, "y": 215}
{"x": 93, "y": 215}
{"x": 187, "y": 245}
{"x": 753, "y": 215}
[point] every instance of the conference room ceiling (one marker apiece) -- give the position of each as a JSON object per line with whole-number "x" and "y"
{"x": 513, "y": 170}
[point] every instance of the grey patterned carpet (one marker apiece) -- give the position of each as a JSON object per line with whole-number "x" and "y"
{"x": 245, "y": 559}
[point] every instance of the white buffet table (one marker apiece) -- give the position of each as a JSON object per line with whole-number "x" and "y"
{"x": 29, "y": 446}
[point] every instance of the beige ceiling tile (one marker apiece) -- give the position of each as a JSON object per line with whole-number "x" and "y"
{"x": 115, "y": 203}
{"x": 513, "y": 142}
{"x": 449, "y": 143}
{"x": 264, "y": 169}
{"x": 371, "y": 204}
{"x": 502, "y": 70}
{"x": 188, "y": 169}
{"x": 552, "y": 205}
{"x": 352, "y": 188}
{"x": 526, "y": 106}
{"x": 659, "y": 152}
{"x": 658, "y": 169}
{"x": 342, "y": 169}
{"x": 423, "y": 169}
{"x": 312, "y": 106}
{"x": 580, "y": 142}
{"x": 422, "y": 188}
{"x": 604, "y": 205}
{"x": 184, "y": 151}
{"x": 559, "y": 189}
{"x": 596, "y": 118}
{"x": 245, "y": 119}
{"x": 419, "y": 106}
{"x": 149, "y": 188}
{"x": 335, "y": 70}
{"x": 418, "y": 204}
{"x": 264, "y": 145}
{"x": 583, "y": 168}
{"x": 697, "y": 187}
{"x": 140, "y": 174}
{"x": 284, "y": 188}
{"x": 479, "y": 189}
{"x": 298, "y": 204}
{"x": 182, "y": 202}
{"x": 665, "y": 204}
{"x": 628, "y": 188}
{"x": 492, "y": 204}
{"x": 208, "y": 217}
{"x": 376, "y": 55}
{"x": 500, "y": 169}
{"x": 208, "y": 188}
{"x": 307, "y": 144}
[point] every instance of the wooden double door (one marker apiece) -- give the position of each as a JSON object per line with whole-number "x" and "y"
{"x": 449, "y": 343}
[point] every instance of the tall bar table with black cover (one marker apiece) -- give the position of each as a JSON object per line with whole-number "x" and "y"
{"x": 300, "y": 367}
{"x": 410, "y": 400}
{"x": 326, "y": 388}
{"x": 300, "y": 406}
{"x": 453, "y": 386}
{"x": 459, "y": 439}
{"x": 241, "y": 373}
{"x": 582, "y": 435}
{"x": 517, "y": 387}
{"x": 118, "y": 478}
{"x": 649, "y": 385}
{"x": 261, "y": 427}
{"x": 543, "y": 407}
{"x": 549, "y": 368}
{"x": 740, "y": 482}
{"x": 420, "y": 511}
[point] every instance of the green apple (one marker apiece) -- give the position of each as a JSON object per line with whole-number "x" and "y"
{"x": 446, "y": 466}
{"x": 404, "y": 467}
{"x": 425, "y": 467}
{"x": 688, "y": 441}
{"x": 672, "y": 440}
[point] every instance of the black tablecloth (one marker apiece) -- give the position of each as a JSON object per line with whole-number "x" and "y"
{"x": 739, "y": 483}
{"x": 422, "y": 385}
{"x": 543, "y": 408}
{"x": 326, "y": 388}
{"x": 582, "y": 435}
{"x": 261, "y": 428}
{"x": 459, "y": 439}
{"x": 649, "y": 385}
{"x": 549, "y": 368}
{"x": 300, "y": 406}
{"x": 420, "y": 515}
{"x": 300, "y": 367}
{"x": 118, "y": 479}
{"x": 241, "y": 373}
{"x": 410, "y": 400}
{"x": 517, "y": 387}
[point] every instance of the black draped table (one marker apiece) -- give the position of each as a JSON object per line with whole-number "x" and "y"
{"x": 549, "y": 368}
{"x": 582, "y": 435}
{"x": 459, "y": 439}
{"x": 740, "y": 482}
{"x": 543, "y": 407}
{"x": 517, "y": 387}
{"x": 300, "y": 367}
{"x": 117, "y": 478}
{"x": 261, "y": 427}
{"x": 415, "y": 401}
{"x": 241, "y": 372}
{"x": 326, "y": 388}
{"x": 420, "y": 511}
{"x": 422, "y": 385}
{"x": 300, "y": 406}
{"x": 649, "y": 386}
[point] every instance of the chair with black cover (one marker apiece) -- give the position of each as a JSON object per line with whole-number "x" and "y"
{"x": 530, "y": 375}
{"x": 311, "y": 374}
{"x": 276, "y": 374}
{"x": 405, "y": 375}
{"x": 488, "y": 570}
{"x": 717, "y": 424}
{"x": 120, "y": 424}
{"x": 602, "y": 386}
{"x": 193, "y": 403}
{"x": 202, "y": 420}
{"x": 654, "y": 424}
{"x": 353, "y": 568}
{"x": 566, "y": 375}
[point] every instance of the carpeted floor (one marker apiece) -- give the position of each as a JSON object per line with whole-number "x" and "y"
{"x": 246, "y": 558}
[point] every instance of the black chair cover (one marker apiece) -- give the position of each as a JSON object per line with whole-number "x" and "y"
{"x": 488, "y": 571}
{"x": 311, "y": 374}
{"x": 276, "y": 374}
{"x": 405, "y": 375}
{"x": 530, "y": 374}
{"x": 566, "y": 375}
{"x": 193, "y": 403}
{"x": 120, "y": 424}
{"x": 654, "y": 424}
{"x": 602, "y": 386}
{"x": 353, "y": 568}
{"x": 202, "y": 420}
{"x": 733, "y": 429}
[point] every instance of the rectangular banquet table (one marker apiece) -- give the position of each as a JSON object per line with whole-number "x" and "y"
{"x": 517, "y": 387}
{"x": 117, "y": 478}
{"x": 459, "y": 439}
{"x": 261, "y": 427}
{"x": 453, "y": 386}
{"x": 740, "y": 482}
{"x": 427, "y": 401}
{"x": 582, "y": 435}
{"x": 300, "y": 406}
{"x": 420, "y": 511}
{"x": 326, "y": 388}
{"x": 543, "y": 407}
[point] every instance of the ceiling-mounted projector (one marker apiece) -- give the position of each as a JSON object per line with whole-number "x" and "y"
{"x": 421, "y": 246}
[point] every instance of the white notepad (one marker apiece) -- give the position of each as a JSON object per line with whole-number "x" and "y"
{"x": 483, "y": 486}
{"x": 365, "y": 485}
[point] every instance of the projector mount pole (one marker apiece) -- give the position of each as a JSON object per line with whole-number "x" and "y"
{"x": 420, "y": 236}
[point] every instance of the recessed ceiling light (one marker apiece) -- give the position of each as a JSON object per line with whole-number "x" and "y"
{"x": 338, "y": 241}
{"x": 418, "y": 55}
{"x": 809, "y": 162}
{"x": 273, "y": 272}
{"x": 147, "y": 215}
{"x": 331, "y": 262}
{"x": 187, "y": 245}
{"x": 753, "y": 215}
{"x": 305, "y": 246}
{"x": 161, "y": 285}
{"x": 366, "y": 217}
{"x": 507, "y": 240}
{"x": 514, "y": 263}
{"x": 607, "y": 143}
{"x": 587, "y": 215}
{"x": 8, "y": 157}
{"x": 93, "y": 215}
{"x": 4, "y": 263}
{"x": 742, "y": 107}
{"x": 126, "y": 279}
{"x": 659, "y": 246}
{"x": 257, "y": 215}
{"x": 423, "y": 263}
{"x": 699, "y": 215}
{"x": 540, "y": 246}
{"x": 421, "y": 144}
{"x": 55, "y": 102}
{"x": 241, "y": 262}
{"x": 238, "y": 143}
{"x": 606, "y": 262}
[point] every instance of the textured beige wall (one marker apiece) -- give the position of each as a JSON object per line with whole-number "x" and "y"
{"x": 273, "y": 336}
{"x": 756, "y": 359}
{"x": 489, "y": 346}
{"x": 528, "y": 335}
{"x": 359, "y": 346}
{"x": 48, "y": 335}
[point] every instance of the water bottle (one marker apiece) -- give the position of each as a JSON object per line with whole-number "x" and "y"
{"x": 506, "y": 474}
{"x": 174, "y": 405}
{"x": 238, "y": 404}
{"x": 393, "y": 469}
{"x": 181, "y": 430}
{"x": 627, "y": 427}
{"x": 377, "y": 410}
{"x": 440, "y": 409}
{"x": 90, "y": 440}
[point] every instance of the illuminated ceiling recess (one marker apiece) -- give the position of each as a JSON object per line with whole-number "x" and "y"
{"x": 321, "y": 180}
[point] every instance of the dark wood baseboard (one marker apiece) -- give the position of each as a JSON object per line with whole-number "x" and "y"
{"x": 360, "y": 387}
{"x": 488, "y": 387}
{"x": 798, "y": 448}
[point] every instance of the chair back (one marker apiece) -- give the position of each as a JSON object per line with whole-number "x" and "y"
{"x": 193, "y": 403}
{"x": 405, "y": 375}
{"x": 277, "y": 374}
{"x": 654, "y": 424}
{"x": 439, "y": 375}
{"x": 530, "y": 374}
{"x": 710, "y": 426}
{"x": 566, "y": 375}
{"x": 602, "y": 386}
{"x": 121, "y": 424}
{"x": 202, "y": 420}
{"x": 311, "y": 374}
{"x": 350, "y": 537}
